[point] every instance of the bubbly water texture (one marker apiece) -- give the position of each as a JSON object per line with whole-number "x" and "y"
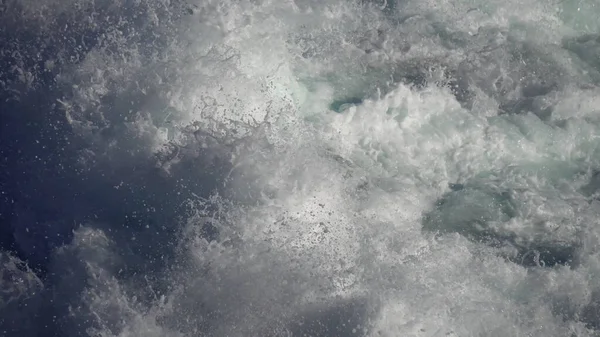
{"x": 300, "y": 168}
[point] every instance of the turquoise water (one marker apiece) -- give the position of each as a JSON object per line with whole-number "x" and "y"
{"x": 296, "y": 168}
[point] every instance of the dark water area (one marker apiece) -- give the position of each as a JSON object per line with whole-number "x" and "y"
{"x": 50, "y": 186}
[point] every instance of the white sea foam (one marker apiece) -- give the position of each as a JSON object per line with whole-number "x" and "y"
{"x": 425, "y": 170}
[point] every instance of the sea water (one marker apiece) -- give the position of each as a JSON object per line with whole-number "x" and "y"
{"x": 300, "y": 168}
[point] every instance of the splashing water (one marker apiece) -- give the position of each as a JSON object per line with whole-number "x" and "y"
{"x": 300, "y": 168}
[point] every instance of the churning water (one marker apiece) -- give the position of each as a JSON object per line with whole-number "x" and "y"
{"x": 300, "y": 168}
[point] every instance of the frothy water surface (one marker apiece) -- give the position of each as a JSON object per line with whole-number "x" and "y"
{"x": 299, "y": 168}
